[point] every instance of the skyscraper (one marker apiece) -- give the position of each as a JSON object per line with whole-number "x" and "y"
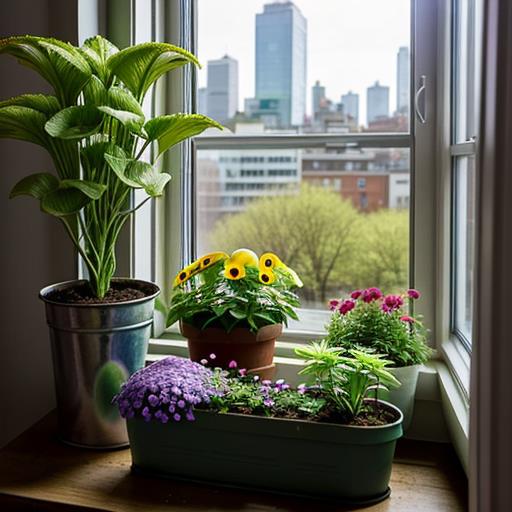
{"x": 402, "y": 80}
{"x": 202, "y": 100}
{"x": 222, "y": 85}
{"x": 377, "y": 102}
{"x": 318, "y": 94}
{"x": 281, "y": 32}
{"x": 350, "y": 103}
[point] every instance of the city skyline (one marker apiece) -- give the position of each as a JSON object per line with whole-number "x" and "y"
{"x": 365, "y": 48}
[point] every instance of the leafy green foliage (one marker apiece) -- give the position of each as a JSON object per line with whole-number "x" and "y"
{"x": 346, "y": 381}
{"x": 367, "y": 327}
{"x": 212, "y": 300}
{"x": 95, "y": 118}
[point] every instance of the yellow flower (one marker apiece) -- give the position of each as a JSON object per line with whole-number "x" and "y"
{"x": 268, "y": 262}
{"x": 267, "y": 276}
{"x": 234, "y": 267}
{"x": 198, "y": 266}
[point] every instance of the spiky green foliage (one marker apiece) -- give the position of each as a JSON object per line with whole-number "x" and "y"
{"x": 95, "y": 130}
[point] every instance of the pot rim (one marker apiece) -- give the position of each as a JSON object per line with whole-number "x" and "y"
{"x": 188, "y": 325}
{"x": 73, "y": 282}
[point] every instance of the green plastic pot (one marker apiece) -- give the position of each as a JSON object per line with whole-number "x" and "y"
{"x": 349, "y": 464}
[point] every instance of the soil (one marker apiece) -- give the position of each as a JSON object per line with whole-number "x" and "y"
{"x": 82, "y": 294}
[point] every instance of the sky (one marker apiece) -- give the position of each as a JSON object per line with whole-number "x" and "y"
{"x": 351, "y": 43}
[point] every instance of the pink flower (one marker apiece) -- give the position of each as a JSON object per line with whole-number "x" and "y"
{"x": 346, "y": 306}
{"x": 392, "y": 303}
{"x": 232, "y": 364}
{"x": 333, "y": 304}
{"x": 408, "y": 319}
{"x": 413, "y": 294}
{"x": 371, "y": 294}
{"x": 213, "y": 356}
{"x": 356, "y": 294}
{"x": 242, "y": 372}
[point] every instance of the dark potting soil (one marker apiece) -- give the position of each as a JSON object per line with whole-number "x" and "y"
{"x": 82, "y": 294}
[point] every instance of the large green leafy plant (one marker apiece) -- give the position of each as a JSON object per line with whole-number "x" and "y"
{"x": 95, "y": 131}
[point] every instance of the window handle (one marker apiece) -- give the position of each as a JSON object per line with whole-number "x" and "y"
{"x": 422, "y": 116}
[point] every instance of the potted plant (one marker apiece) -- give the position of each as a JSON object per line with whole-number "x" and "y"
{"x": 94, "y": 128}
{"x": 370, "y": 320}
{"x": 325, "y": 440}
{"x": 234, "y": 306}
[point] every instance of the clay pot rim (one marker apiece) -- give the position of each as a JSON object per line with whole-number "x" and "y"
{"x": 245, "y": 335}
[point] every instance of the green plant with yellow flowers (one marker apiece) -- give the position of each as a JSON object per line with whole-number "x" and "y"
{"x": 237, "y": 290}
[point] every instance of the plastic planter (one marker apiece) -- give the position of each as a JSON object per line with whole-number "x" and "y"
{"x": 349, "y": 464}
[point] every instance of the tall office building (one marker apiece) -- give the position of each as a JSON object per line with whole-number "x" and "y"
{"x": 318, "y": 94}
{"x": 202, "y": 100}
{"x": 222, "y": 85}
{"x": 377, "y": 102}
{"x": 281, "y": 32}
{"x": 402, "y": 80}
{"x": 350, "y": 102}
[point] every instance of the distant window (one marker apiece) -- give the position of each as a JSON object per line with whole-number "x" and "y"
{"x": 361, "y": 183}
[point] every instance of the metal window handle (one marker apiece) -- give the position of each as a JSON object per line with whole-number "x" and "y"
{"x": 421, "y": 90}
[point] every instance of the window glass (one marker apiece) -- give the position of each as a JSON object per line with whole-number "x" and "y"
{"x": 336, "y": 213}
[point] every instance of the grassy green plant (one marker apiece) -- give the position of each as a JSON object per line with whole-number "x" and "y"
{"x": 368, "y": 320}
{"x": 345, "y": 381}
{"x": 95, "y": 131}
{"x": 209, "y": 296}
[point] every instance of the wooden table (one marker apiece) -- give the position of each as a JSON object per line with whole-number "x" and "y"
{"x": 38, "y": 473}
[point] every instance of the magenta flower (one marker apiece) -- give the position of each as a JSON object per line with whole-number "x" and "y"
{"x": 232, "y": 365}
{"x": 413, "y": 294}
{"x": 407, "y": 319}
{"x": 346, "y": 306}
{"x": 268, "y": 402}
{"x": 333, "y": 304}
{"x": 371, "y": 294}
{"x": 242, "y": 372}
{"x": 356, "y": 294}
{"x": 392, "y": 303}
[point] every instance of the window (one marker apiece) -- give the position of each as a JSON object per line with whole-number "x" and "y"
{"x": 466, "y": 16}
{"x": 310, "y": 129}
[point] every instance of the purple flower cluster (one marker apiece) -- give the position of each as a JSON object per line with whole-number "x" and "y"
{"x": 392, "y": 303}
{"x": 268, "y": 390}
{"x": 167, "y": 390}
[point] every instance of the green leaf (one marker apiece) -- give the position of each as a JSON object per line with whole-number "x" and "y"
{"x": 63, "y": 202}
{"x": 238, "y": 314}
{"x": 96, "y": 51}
{"x": 147, "y": 177}
{"x": 141, "y": 65}
{"x": 93, "y": 156}
{"x": 43, "y": 103}
{"x": 95, "y": 92}
{"x": 123, "y": 99}
{"x": 59, "y": 63}
{"x": 117, "y": 160}
{"x": 132, "y": 121}
{"x": 35, "y": 185}
{"x": 75, "y": 122}
{"x": 89, "y": 188}
{"x": 23, "y": 123}
{"x": 171, "y": 129}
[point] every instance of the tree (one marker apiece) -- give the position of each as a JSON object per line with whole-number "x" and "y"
{"x": 312, "y": 232}
{"x": 382, "y": 254}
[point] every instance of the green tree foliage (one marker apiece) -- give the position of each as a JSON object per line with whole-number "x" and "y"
{"x": 331, "y": 246}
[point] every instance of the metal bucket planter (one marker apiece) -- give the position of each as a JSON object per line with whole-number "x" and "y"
{"x": 95, "y": 348}
{"x": 252, "y": 351}
{"x": 348, "y": 464}
{"x": 403, "y": 397}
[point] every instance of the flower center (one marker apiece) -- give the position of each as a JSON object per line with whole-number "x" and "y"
{"x": 234, "y": 272}
{"x": 206, "y": 261}
{"x": 265, "y": 278}
{"x": 183, "y": 275}
{"x": 268, "y": 262}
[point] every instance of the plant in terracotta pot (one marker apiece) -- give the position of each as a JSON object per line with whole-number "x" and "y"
{"x": 324, "y": 439}
{"x": 370, "y": 320}
{"x": 94, "y": 128}
{"x": 234, "y": 306}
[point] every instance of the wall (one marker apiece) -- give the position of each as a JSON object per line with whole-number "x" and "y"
{"x": 34, "y": 249}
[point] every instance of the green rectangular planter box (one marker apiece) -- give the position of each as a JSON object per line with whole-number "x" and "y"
{"x": 323, "y": 460}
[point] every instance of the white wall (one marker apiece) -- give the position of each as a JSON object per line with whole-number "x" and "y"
{"x": 34, "y": 249}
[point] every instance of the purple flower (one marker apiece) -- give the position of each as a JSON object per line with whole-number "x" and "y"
{"x": 242, "y": 372}
{"x": 177, "y": 417}
{"x": 346, "y": 306}
{"x": 181, "y": 404}
{"x": 153, "y": 400}
{"x": 232, "y": 365}
{"x": 302, "y": 388}
{"x": 333, "y": 304}
{"x": 356, "y": 294}
{"x": 190, "y": 415}
{"x": 268, "y": 402}
{"x": 392, "y": 303}
{"x": 266, "y": 382}
{"x": 371, "y": 294}
{"x": 413, "y": 294}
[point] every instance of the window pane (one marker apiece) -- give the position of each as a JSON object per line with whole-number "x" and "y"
{"x": 464, "y": 250}
{"x": 332, "y": 66}
{"x": 338, "y": 217}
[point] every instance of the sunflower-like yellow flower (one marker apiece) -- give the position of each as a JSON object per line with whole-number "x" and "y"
{"x": 268, "y": 262}
{"x": 198, "y": 266}
{"x": 234, "y": 267}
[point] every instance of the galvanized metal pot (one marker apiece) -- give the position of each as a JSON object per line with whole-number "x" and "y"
{"x": 95, "y": 348}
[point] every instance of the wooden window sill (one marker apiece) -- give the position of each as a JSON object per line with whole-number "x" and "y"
{"x": 39, "y": 473}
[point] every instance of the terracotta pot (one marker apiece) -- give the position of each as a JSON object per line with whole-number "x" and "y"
{"x": 253, "y": 351}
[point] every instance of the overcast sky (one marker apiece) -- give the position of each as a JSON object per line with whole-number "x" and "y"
{"x": 351, "y": 43}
